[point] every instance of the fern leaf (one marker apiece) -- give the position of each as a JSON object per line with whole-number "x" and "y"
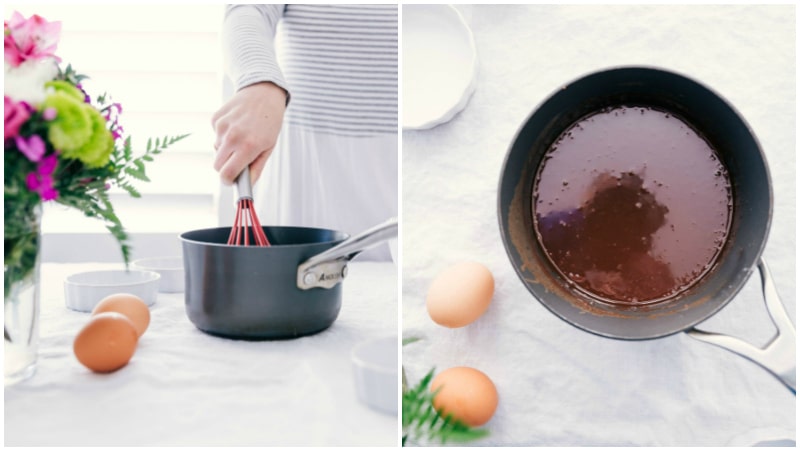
{"x": 136, "y": 173}
{"x": 127, "y": 151}
{"x": 131, "y": 190}
{"x": 422, "y": 421}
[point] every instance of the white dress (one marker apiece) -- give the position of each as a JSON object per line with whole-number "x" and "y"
{"x": 336, "y": 162}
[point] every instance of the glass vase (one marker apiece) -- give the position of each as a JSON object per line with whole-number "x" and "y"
{"x": 21, "y": 319}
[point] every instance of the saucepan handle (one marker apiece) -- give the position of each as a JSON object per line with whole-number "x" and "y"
{"x": 328, "y": 268}
{"x": 777, "y": 356}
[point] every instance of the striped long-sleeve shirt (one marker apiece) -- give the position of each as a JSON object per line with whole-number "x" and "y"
{"x": 338, "y": 62}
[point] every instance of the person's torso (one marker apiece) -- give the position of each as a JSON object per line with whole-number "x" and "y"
{"x": 340, "y": 62}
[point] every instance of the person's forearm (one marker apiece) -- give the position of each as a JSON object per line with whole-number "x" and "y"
{"x": 248, "y": 44}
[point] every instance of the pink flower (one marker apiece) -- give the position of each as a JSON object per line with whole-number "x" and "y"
{"x": 49, "y": 114}
{"x": 29, "y": 39}
{"x": 32, "y": 181}
{"x": 41, "y": 181}
{"x": 86, "y": 98}
{"x": 116, "y": 130}
{"x": 33, "y": 147}
{"x": 16, "y": 113}
{"x": 111, "y": 113}
{"x": 49, "y": 193}
{"x": 47, "y": 165}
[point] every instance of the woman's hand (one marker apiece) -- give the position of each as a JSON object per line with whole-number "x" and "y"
{"x": 247, "y": 128}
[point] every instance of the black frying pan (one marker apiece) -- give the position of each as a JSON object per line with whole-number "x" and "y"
{"x": 740, "y": 152}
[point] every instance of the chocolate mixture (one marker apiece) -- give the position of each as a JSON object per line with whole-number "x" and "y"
{"x": 632, "y": 205}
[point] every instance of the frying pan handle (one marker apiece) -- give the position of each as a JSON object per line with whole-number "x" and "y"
{"x": 777, "y": 356}
{"x": 328, "y": 268}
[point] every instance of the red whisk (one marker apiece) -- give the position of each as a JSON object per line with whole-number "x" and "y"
{"x": 246, "y": 217}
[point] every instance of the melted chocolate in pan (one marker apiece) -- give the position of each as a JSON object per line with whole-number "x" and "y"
{"x": 632, "y": 205}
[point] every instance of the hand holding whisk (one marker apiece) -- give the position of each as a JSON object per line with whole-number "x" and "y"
{"x": 246, "y": 216}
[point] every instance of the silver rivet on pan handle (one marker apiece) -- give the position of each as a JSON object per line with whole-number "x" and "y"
{"x": 322, "y": 275}
{"x": 778, "y": 356}
{"x": 328, "y": 268}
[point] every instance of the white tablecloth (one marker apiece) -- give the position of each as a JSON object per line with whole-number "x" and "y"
{"x": 184, "y": 387}
{"x": 558, "y": 385}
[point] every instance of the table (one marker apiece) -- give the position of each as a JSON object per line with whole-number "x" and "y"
{"x": 184, "y": 387}
{"x": 558, "y": 385}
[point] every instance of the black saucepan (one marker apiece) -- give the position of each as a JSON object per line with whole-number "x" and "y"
{"x": 289, "y": 289}
{"x": 726, "y": 131}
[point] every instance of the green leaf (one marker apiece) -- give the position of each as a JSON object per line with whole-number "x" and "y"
{"x": 138, "y": 174}
{"x": 127, "y": 152}
{"x": 131, "y": 190}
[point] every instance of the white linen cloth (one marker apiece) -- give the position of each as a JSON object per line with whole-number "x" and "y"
{"x": 559, "y": 385}
{"x": 184, "y": 387}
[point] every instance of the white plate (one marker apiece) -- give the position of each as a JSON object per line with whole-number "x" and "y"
{"x": 439, "y": 65}
{"x": 82, "y": 291}
{"x": 170, "y": 269}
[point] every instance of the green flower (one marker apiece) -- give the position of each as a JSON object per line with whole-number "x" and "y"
{"x": 97, "y": 151}
{"x": 79, "y": 130}
{"x": 67, "y": 88}
{"x": 72, "y": 127}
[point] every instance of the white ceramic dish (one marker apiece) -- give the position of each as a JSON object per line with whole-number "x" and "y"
{"x": 440, "y": 65}
{"x": 84, "y": 290}
{"x": 375, "y": 372}
{"x": 170, "y": 269}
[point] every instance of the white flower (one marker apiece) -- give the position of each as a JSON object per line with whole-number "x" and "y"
{"x": 26, "y": 81}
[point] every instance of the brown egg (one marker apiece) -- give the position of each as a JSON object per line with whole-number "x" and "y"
{"x": 465, "y": 393}
{"x": 106, "y": 343}
{"x": 129, "y": 305}
{"x": 460, "y": 294}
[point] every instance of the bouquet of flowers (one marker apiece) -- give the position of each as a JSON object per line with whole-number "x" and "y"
{"x": 61, "y": 144}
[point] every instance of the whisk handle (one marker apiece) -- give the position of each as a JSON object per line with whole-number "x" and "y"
{"x": 243, "y": 186}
